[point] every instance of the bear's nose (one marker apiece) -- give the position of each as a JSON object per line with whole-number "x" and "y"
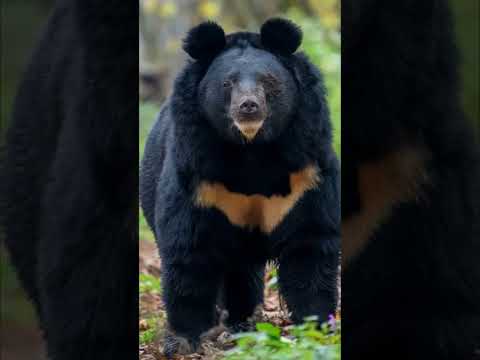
{"x": 248, "y": 107}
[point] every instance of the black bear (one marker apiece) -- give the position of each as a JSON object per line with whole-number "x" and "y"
{"x": 411, "y": 199}
{"x": 70, "y": 183}
{"x": 239, "y": 169}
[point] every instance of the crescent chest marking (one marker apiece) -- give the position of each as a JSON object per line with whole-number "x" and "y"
{"x": 396, "y": 178}
{"x": 257, "y": 211}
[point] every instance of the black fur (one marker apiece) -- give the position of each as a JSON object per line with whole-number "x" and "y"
{"x": 71, "y": 185}
{"x": 281, "y": 35}
{"x": 201, "y": 251}
{"x": 414, "y": 290}
{"x": 204, "y": 41}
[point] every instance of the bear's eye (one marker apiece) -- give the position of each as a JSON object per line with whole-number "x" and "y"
{"x": 271, "y": 84}
{"x": 270, "y": 80}
{"x": 227, "y": 84}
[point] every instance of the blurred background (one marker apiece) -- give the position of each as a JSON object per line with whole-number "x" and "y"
{"x": 21, "y": 23}
{"x": 467, "y": 24}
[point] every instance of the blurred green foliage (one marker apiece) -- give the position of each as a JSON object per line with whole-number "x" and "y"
{"x": 16, "y": 310}
{"x": 468, "y": 35}
{"x": 322, "y": 44}
{"x": 305, "y": 342}
{"x": 147, "y": 113}
{"x": 148, "y": 283}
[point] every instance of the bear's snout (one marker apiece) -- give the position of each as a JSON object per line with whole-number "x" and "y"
{"x": 248, "y": 108}
{"x": 248, "y": 102}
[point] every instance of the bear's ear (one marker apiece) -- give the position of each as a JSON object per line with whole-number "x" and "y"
{"x": 281, "y": 35}
{"x": 204, "y": 41}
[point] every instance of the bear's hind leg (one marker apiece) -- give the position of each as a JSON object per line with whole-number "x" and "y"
{"x": 243, "y": 291}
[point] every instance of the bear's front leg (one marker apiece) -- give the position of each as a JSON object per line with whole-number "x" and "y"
{"x": 308, "y": 277}
{"x": 243, "y": 291}
{"x": 190, "y": 292}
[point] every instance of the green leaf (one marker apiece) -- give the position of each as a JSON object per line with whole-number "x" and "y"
{"x": 149, "y": 283}
{"x": 269, "y": 329}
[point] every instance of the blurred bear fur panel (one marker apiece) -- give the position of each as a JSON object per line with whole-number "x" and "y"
{"x": 411, "y": 188}
{"x": 71, "y": 185}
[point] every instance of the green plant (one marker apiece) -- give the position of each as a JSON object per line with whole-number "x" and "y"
{"x": 149, "y": 334}
{"x": 144, "y": 230}
{"x": 149, "y": 284}
{"x": 301, "y": 342}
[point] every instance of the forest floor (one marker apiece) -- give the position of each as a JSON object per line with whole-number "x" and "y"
{"x": 152, "y": 313}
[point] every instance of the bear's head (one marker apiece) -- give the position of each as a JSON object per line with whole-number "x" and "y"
{"x": 247, "y": 93}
